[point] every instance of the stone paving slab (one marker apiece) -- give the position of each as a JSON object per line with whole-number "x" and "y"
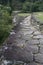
{"x": 39, "y": 58}
{"x": 41, "y": 41}
{"x": 37, "y": 33}
{"x": 33, "y": 48}
{"x": 24, "y": 29}
{"x": 38, "y": 37}
{"x": 32, "y": 28}
{"x": 27, "y": 36}
{"x": 27, "y": 32}
{"x": 33, "y": 42}
{"x": 41, "y": 49}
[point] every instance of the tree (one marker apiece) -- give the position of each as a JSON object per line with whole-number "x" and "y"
{"x": 26, "y": 7}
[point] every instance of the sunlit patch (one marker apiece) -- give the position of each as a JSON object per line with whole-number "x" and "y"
{"x": 12, "y": 33}
{"x": 20, "y": 45}
{"x": 6, "y": 48}
{"x": 5, "y": 62}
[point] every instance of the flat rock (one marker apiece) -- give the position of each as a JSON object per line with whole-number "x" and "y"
{"x": 41, "y": 49}
{"x": 27, "y": 36}
{"x": 38, "y": 37}
{"x": 33, "y": 48}
{"x": 37, "y": 33}
{"x": 39, "y": 58}
{"x": 28, "y": 32}
{"x": 33, "y": 42}
{"x": 41, "y": 41}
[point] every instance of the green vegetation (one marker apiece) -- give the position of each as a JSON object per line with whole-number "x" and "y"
{"x": 5, "y": 23}
{"x": 24, "y": 14}
{"x": 39, "y": 16}
{"x": 24, "y": 5}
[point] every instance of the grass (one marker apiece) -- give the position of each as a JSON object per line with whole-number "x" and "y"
{"x": 4, "y": 31}
{"x": 24, "y": 14}
{"x": 39, "y": 16}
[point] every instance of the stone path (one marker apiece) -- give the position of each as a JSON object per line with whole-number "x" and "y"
{"x": 26, "y": 44}
{"x": 33, "y": 39}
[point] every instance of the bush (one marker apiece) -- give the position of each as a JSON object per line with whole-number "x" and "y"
{"x": 5, "y": 23}
{"x": 26, "y": 7}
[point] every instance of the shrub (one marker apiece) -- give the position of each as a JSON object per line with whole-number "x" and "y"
{"x": 5, "y": 23}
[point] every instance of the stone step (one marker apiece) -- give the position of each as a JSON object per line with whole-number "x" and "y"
{"x": 24, "y": 29}
{"x": 33, "y": 42}
{"x": 27, "y": 36}
{"x": 38, "y": 37}
{"x": 37, "y": 33}
{"x": 27, "y": 32}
